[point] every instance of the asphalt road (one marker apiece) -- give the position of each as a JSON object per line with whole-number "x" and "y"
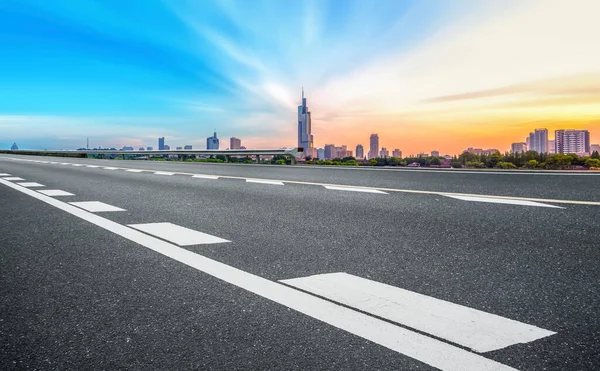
{"x": 82, "y": 290}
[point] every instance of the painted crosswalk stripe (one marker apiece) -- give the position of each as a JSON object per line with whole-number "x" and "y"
{"x": 502, "y": 201}
{"x": 472, "y": 328}
{"x": 134, "y": 170}
{"x": 31, "y": 184}
{"x": 96, "y": 206}
{"x": 55, "y": 192}
{"x": 13, "y": 178}
{"x": 203, "y": 176}
{"x": 261, "y": 181}
{"x": 176, "y": 234}
{"x": 163, "y": 173}
{"x": 352, "y": 189}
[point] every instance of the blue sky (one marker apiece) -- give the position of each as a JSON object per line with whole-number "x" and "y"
{"x": 126, "y": 72}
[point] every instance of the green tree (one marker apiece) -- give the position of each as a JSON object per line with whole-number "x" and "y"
{"x": 592, "y": 162}
{"x": 435, "y": 161}
{"x": 532, "y": 164}
{"x": 595, "y": 155}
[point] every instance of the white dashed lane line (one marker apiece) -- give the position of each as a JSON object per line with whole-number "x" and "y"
{"x": 262, "y": 181}
{"x": 96, "y": 206}
{"x": 134, "y": 170}
{"x": 92, "y": 166}
{"x": 353, "y": 189}
{"x": 202, "y": 176}
{"x": 55, "y": 192}
{"x": 110, "y": 168}
{"x": 176, "y": 234}
{"x": 31, "y": 184}
{"x": 163, "y": 173}
{"x": 503, "y": 201}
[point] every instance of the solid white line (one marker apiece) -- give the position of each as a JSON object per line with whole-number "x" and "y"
{"x": 433, "y": 352}
{"x": 134, "y": 170}
{"x": 178, "y": 235}
{"x": 262, "y": 181}
{"x": 202, "y": 176}
{"x": 472, "y": 328}
{"x": 31, "y": 184}
{"x": 353, "y": 189}
{"x": 14, "y": 178}
{"x": 163, "y": 173}
{"x": 55, "y": 192}
{"x": 503, "y": 201}
{"x": 96, "y": 206}
{"x": 110, "y": 168}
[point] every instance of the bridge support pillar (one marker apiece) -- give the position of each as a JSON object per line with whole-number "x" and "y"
{"x": 258, "y": 159}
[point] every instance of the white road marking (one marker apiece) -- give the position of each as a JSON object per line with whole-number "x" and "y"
{"x": 31, "y": 184}
{"x": 203, "y": 176}
{"x": 472, "y": 328}
{"x": 55, "y": 192}
{"x": 96, "y": 206}
{"x": 13, "y": 178}
{"x": 178, "y": 235}
{"x": 263, "y": 181}
{"x": 134, "y": 170}
{"x": 93, "y": 166}
{"x": 425, "y": 349}
{"x": 4, "y": 174}
{"x": 503, "y": 201}
{"x": 76, "y": 165}
{"x": 65, "y": 163}
{"x": 110, "y": 168}
{"x": 354, "y": 189}
{"x": 163, "y": 173}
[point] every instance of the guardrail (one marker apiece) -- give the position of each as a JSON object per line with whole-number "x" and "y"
{"x": 291, "y": 153}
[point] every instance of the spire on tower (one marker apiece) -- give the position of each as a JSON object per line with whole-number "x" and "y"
{"x": 303, "y": 92}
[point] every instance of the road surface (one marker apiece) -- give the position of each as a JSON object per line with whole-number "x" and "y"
{"x": 163, "y": 265}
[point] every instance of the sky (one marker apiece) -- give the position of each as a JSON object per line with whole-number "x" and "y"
{"x": 423, "y": 74}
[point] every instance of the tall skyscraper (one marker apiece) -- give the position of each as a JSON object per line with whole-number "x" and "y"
{"x": 397, "y": 153}
{"x": 360, "y": 151}
{"x": 373, "y": 146}
{"x": 305, "y": 138}
{"x": 552, "y": 146}
{"x": 161, "y": 143}
{"x": 538, "y": 141}
{"x": 572, "y": 141}
{"x": 212, "y": 142}
{"x": 235, "y": 143}
{"x": 384, "y": 153}
{"x": 321, "y": 154}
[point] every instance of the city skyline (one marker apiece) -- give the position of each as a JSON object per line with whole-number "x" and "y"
{"x": 468, "y": 74}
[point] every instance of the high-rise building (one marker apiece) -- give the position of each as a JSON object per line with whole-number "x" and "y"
{"x": 552, "y": 146}
{"x": 321, "y": 154}
{"x": 235, "y": 143}
{"x": 329, "y": 151}
{"x": 161, "y": 143}
{"x": 373, "y": 146}
{"x": 435, "y": 153}
{"x": 360, "y": 151}
{"x": 397, "y": 153}
{"x": 188, "y": 147}
{"x": 594, "y": 148}
{"x": 538, "y": 141}
{"x": 305, "y": 138}
{"x": 149, "y": 148}
{"x": 167, "y": 147}
{"x": 340, "y": 152}
{"x": 572, "y": 141}
{"x": 212, "y": 142}
{"x": 14, "y": 147}
{"x": 518, "y": 147}
{"x": 384, "y": 153}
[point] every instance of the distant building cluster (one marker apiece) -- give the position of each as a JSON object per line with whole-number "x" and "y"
{"x": 565, "y": 141}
